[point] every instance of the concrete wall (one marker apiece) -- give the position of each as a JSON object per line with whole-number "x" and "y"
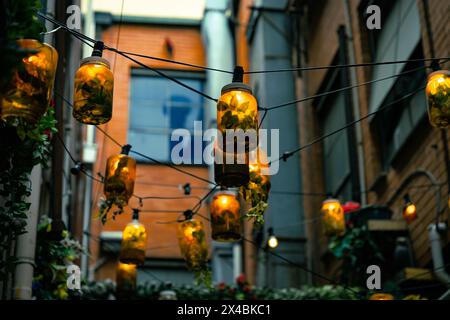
{"x": 270, "y": 48}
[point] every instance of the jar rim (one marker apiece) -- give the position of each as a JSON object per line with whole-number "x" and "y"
{"x": 446, "y": 72}
{"x": 224, "y": 192}
{"x": 331, "y": 200}
{"x": 236, "y": 86}
{"x": 95, "y": 59}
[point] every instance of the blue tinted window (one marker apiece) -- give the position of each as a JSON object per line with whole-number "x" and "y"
{"x": 157, "y": 107}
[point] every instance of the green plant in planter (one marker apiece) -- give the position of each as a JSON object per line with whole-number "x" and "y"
{"x": 52, "y": 258}
{"x": 24, "y": 147}
{"x": 357, "y": 250}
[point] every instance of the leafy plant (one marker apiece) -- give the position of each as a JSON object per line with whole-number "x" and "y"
{"x": 240, "y": 290}
{"x": 24, "y": 147}
{"x": 357, "y": 250}
{"x": 105, "y": 206}
{"x": 256, "y": 192}
{"x": 52, "y": 258}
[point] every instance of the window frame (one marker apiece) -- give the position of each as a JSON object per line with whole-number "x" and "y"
{"x": 179, "y": 74}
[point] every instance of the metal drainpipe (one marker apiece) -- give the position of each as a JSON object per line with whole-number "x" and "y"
{"x": 436, "y": 253}
{"x": 26, "y": 243}
{"x": 355, "y": 104}
{"x": 434, "y": 229}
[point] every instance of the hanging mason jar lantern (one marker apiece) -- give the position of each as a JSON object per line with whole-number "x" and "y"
{"x": 237, "y": 109}
{"x": 333, "y": 217}
{"x": 93, "y": 92}
{"x": 28, "y": 94}
{"x": 225, "y": 217}
{"x": 125, "y": 277}
{"x": 192, "y": 241}
{"x": 120, "y": 176}
{"x": 134, "y": 242}
{"x": 409, "y": 212}
{"x": 382, "y": 296}
{"x": 438, "y": 101}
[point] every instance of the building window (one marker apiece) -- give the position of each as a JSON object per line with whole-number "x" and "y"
{"x": 157, "y": 107}
{"x": 336, "y": 153}
{"x": 395, "y": 124}
{"x": 398, "y": 39}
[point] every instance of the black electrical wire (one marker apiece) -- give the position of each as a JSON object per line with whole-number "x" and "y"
{"x": 175, "y": 62}
{"x": 75, "y": 161}
{"x": 141, "y": 154}
{"x": 319, "y": 95}
{"x": 162, "y": 74}
{"x": 354, "y": 65}
{"x": 289, "y": 154}
{"x": 171, "y": 166}
{"x": 199, "y": 204}
{"x": 295, "y": 264}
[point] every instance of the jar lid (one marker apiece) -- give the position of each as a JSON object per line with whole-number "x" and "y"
{"x": 95, "y": 59}
{"x": 329, "y": 200}
{"x": 442, "y": 71}
{"x": 225, "y": 192}
{"x": 236, "y": 86}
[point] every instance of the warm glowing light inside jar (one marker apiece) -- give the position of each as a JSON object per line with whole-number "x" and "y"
{"x": 410, "y": 209}
{"x": 436, "y": 81}
{"x": 127, "y": 267}
{"x": 188, "y": 231}
{"x": 224, "y": 200}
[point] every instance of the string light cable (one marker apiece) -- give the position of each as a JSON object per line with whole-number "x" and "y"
{"x": 286, "y": 155}
{"x": 319, "y": 95}
{"x": 139, "y": 153}
{"x": 162, "y": 74}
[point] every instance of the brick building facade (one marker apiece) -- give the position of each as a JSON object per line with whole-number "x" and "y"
{"x": 394, "y": 143}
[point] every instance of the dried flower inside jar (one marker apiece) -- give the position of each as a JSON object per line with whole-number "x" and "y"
{"x": 93, "y": 93}
{"x": 333, "y": 217}
{"x": 438, "y": 98}
{"x": 225, "y": 217}
{"x": 120, "y": 176}
{"x": 134, "y": 242}
{"x": 237, "y": 121}
{"x": 126, "y": 277}
{"x": 28, "y": 95}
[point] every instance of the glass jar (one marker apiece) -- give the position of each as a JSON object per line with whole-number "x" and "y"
{"x": 119, "y": 178}
{"x": 192, "y": 241}
{"x": 93, "y": 92}
{"x": 438, "y": 93}
{"x": 233, "y": 174}
{"x": 28, "y": 95}
{"x": 225, "y": 217}
{"x": 126, "y": 277}
{"x": 409, "y": 213}
{"x": 333, "y": 217}
{"x": 134, "y": 242}
{"x": 237, "y": 114}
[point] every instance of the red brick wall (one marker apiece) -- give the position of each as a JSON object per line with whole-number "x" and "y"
{"x": 425, "y": 150}
{"x": 149, "y": 40}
